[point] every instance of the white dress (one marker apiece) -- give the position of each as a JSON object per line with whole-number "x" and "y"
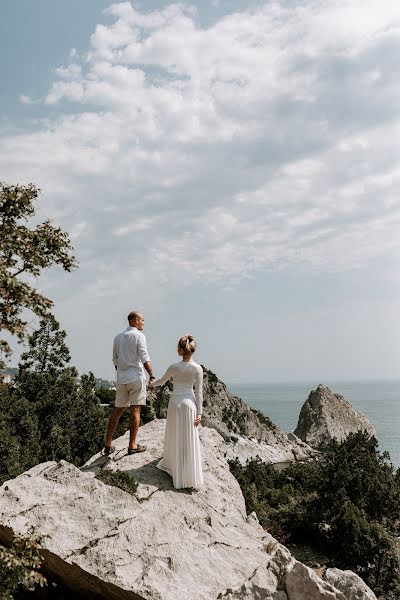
{"x": 182, "y": 458}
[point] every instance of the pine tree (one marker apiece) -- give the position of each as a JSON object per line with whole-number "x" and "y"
{"x": 48, "y": 352}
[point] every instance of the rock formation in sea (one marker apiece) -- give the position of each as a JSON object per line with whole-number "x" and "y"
{"x": 157, "y": 543}
{"x": 326, "y": 415}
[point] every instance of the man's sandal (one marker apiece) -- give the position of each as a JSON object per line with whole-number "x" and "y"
{"x": 139, "y": 448}
{"x": 108, "y": 450}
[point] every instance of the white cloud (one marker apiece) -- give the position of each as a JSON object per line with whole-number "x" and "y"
{"x": 24, "y": 99}
{"x": 135, "y": 226}
{"x": 266, "y": 139}
{"x": 77, "y": 230}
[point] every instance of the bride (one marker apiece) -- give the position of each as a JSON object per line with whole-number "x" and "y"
{"x": 182, "y": 458}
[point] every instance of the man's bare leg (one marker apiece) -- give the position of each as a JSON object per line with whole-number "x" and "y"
{"x": 112, "y": 424}
{"x": 134, "y": 423}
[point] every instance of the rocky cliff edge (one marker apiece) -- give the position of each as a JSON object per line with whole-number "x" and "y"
{"x": 157, "y": 543}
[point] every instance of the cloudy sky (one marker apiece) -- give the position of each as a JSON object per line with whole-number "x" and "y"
{"x": 229, "y": 167}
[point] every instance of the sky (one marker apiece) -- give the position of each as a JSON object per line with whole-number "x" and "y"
{"x": 229, "y": 168}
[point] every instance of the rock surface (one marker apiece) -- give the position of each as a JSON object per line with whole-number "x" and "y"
{"x": 247, "y": 432}
{"x": 158, "y": 543}
{"x": 350, "y": 584}
{"x": 325, "y": 416}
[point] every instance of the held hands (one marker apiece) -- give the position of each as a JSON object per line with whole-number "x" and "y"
{"x": 197, "y": 421}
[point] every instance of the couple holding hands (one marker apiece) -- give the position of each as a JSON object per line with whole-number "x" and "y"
{"x": 181, "y": 458}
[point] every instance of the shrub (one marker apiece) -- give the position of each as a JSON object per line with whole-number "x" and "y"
{"x": 347, "y": 504}
{"x": 20, "y": 566}
{"x": 120, "y": 479}
{"x": 263, "y": 419}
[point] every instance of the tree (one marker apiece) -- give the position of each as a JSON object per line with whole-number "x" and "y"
{"x": 49, "y": 385}
{"x": 24, "y": 253}
{"x": 20, "y": 566}
{"x": 47, "y": 350}
{"x": 89, "y": 421}
{"x": 355, "y": 470}
{"x": 105, "y": 395}
{"x": 49, "y": 413}
{"x": 19, "y": 435}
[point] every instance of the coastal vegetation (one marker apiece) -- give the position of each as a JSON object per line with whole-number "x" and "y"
{"x": 346, "y": 505}
{"x": 20, "y": 566}
{"x": 120, "y": 479}
{"x": 49, "y": 413}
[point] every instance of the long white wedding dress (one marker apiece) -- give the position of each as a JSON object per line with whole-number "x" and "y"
{"x": 182, "y": 456}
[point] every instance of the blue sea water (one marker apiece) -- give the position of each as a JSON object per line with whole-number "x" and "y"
{"x": 378, "y": 400}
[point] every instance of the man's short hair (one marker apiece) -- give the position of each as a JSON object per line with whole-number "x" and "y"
{"x": 134, "y": 314}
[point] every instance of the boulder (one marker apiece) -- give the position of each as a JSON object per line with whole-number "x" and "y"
{"x": 303, "y": 582}
{"x": 350, "y": 584}
{"x": 326, "y": 415}
{"x": 155, "y": 543}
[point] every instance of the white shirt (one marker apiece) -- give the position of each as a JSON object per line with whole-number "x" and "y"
{"x": 129, "y": 354}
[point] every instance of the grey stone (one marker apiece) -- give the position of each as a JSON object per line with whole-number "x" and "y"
{"x": 302, "y": 583}
{"x": 350, "y": 584}
{"x": 325, "y": 416}
{"x": 158, "y": 543}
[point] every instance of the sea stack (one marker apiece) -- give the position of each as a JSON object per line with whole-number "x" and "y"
{"x": 326, "y": 415}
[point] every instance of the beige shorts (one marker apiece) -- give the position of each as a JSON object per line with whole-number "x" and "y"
{"x": 131, "y": 394}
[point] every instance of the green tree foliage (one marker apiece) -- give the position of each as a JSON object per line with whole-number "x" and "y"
{"x": 49, "y": 413}
{"x": 25, "y": 251}
{"x": 47, "y": 351}
{"x": 105, "y": 395}
{"x": 346, "y": 504}
{"x": 89, "y": 421}
{"x": 20, "y": 565}
{"x": 355, "y": 470}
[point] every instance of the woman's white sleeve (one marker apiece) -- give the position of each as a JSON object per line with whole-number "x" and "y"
{"x": 198, "y": 391}
{"x": 167, "y": 375}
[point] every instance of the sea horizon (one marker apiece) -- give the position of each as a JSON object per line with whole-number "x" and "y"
{"x": 302, "y": 381}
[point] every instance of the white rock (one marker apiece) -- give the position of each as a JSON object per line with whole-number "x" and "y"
{"x": 302, "y": 583}
{"x": 350, "y": 584}
{"x": 245, "y": 449}
{"x": 160, "y": 543}
{"x": 325, "y": 416}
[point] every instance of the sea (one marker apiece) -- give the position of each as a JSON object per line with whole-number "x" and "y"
{"x": 378, "y": 400}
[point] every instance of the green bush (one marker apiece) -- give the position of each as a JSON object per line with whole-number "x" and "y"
{"x": 105, "y": 395}
{"x": 346, "y": 504}
{"x": 48, "y": 413}
{"x": 263, "y": 419}
{"x": 120, "y": 479}
{"x": 20, "y": 566}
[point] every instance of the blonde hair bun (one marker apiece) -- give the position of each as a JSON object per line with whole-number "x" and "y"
{"x": 187, "y": 343}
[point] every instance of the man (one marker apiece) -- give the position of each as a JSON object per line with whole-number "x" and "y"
{"x": 130, "y": 356}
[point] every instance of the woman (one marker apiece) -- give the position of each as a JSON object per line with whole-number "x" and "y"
{"x": 182, "y": 458}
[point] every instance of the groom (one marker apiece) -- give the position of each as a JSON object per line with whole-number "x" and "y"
{"x": 129, "y": 354}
